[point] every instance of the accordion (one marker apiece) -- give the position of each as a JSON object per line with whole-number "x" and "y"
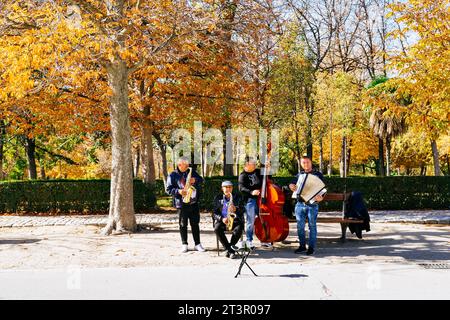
{"x": 308, "y": 187}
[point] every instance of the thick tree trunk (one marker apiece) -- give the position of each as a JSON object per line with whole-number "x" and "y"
{"x": 380, "y": 157}
{"x": 121, "y": 210}
{"x": 148, "y": 164}
{"x": 436, "y": 165}
{"x": 30, "y": 148}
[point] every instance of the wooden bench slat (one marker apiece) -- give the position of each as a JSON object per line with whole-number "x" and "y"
{"x": 336, "y": 196}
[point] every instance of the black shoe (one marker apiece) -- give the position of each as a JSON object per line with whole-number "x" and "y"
{"x": 310, "y": 251}
{"x": 300, "y": 249}
{"x": 231, "y": 254}
{"x": 358, "y": 232}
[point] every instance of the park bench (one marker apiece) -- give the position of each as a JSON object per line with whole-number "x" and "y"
{"x": 344, "y": 222}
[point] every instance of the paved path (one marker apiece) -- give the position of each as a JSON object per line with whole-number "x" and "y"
{"x": 286, "y": 281}
{"x": 426, "y": 216}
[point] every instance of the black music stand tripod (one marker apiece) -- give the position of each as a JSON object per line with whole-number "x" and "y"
{"x": 243, "y": 254}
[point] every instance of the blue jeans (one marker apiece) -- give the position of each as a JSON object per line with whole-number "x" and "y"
{"x": 301, "y": 212}
{"x": 251, "y": 208}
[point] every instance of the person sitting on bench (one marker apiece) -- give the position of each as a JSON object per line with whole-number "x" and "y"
{"x": 226, "y": 205}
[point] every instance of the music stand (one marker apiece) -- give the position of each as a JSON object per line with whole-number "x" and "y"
{"x": 243, "y": 254}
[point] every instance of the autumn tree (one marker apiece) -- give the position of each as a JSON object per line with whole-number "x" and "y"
{"x": 422, "y": 67}
{"x": 117, "y": 38}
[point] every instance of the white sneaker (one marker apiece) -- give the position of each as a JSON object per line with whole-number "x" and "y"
{"x": 266, "y": 245}
{"x": 184, "y": 248}
{"x": 200, "y": 248}
{"x": 250, "y": 244}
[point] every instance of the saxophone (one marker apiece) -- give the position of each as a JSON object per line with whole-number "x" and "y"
{"x": 230, "y": 215}
{"x": 188, "y": 187}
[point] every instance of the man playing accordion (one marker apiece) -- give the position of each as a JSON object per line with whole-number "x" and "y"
{"x": 305, "y": 209}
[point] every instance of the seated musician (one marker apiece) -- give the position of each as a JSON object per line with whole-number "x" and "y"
{"x": 225, "y": 205}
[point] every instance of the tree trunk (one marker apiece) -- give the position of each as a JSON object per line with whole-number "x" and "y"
{"x": 448, "y": 165}
{"x": 309, "y": 146}
{"x": 436, "y": 165}
{"x": 42, "y": 170}
{"x": 348, "y": 144}
{"x": 121, "y": 210}
{"x": 41, "y": 166}
{"x": 423, "y": 169}
{"x": 2, "y": 143}
{"x": 380, "y": 157}
{"x": 148, "y": 164}
{"x": 227, "y": 167}
{"x": 321, "y": 155}
{"x": 137, "y": 162}
{"x": 330, "y": 164}
{"x": 342, "y": 162}
{"x": 163, "y": 147}
{"x": 228, "y": 15}
{"x": 388, "y": 156}
{"x": 30, "y": 148}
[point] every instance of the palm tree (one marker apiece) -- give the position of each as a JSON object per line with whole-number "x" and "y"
{"x": 386, "y": 127}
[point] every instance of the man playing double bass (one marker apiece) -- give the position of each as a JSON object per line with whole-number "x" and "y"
{"x": 305, "y": 209}
{"x": 250, "y": 184}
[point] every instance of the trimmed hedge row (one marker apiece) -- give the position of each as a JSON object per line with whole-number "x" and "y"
{"x": 67, "y": 196}
{"x": 91, "y": 196}
{"x": 380, "y": 193}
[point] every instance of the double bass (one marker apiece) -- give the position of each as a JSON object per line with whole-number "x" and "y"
{"x": 271, "y": 225}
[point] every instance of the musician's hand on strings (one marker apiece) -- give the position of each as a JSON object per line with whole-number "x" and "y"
{"x": 192, "y": 181}
{"x": 293, "y": 187}
{"x": 318, "y": 198}
{"x": 256, "y": 192}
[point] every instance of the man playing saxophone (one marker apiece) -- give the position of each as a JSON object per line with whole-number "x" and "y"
{"x": 183, "y": 185}
{"x": 228, "y": 215}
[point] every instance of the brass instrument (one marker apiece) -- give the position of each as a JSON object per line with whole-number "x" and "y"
{"x": 188, "y": 188}
{"x": 230, "y": 215}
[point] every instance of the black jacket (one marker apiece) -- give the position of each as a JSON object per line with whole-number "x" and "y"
{"x": 218, "y": 205}
{"x": 355, "y": 208}
{"x": 249, "y": 182}
{"x": 176, "y": 181}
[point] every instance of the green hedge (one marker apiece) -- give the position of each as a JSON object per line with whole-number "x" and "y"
{"x": 380, "y": 193}
{"x": 91, "y": 196}
{"x": 67, "y": 196}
